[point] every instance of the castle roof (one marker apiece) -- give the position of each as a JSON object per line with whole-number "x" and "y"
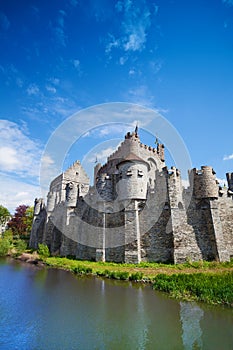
{"x": 131, "y": 157}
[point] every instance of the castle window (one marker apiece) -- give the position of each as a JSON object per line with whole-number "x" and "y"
{"x": 140, "y": 173}
{"x": 180, "y": 205}
{"x": 129, "y": 173}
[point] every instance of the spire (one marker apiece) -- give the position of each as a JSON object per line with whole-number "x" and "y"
{"x": 96, "y": 160}
{"x": 136, "y": 129}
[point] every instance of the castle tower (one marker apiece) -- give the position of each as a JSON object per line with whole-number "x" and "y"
{"x": 204, "y": 182}
{"x": 132, "y": 182}
{"x": 131, "y": 189}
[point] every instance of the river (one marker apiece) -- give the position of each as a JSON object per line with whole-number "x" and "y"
{"x": 53, "y": 309}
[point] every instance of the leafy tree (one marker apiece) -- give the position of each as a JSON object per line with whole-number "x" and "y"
{"x": 17, "y": 223}
{"x": 4, "y": 214}
{"x": 28, "y": 219}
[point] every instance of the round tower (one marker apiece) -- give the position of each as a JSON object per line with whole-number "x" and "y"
{"x": 132, "y": 182}
{"x": 204, "y": 183}
{"x": 133, "y": 143}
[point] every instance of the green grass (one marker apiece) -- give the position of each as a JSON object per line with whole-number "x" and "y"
{"x": 212, "y": 288}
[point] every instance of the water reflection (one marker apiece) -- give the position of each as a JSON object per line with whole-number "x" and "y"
{"x": 190, "y": 316}
{"x": 52, "y": 309}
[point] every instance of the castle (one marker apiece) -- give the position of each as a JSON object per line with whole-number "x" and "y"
{"x": 137, "y": 210}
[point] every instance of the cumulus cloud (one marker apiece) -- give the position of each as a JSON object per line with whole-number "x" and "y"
{"x": 18, "y": 153}
{"x": 15, "y": 192}
{"x": 229, "y": 157}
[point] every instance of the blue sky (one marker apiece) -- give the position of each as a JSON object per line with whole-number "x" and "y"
{"x": 61, "y": 57}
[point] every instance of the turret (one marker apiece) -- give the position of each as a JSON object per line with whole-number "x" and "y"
{"x": 132, "y": 182}
{"x": 204, "y": 182}
{"x": 175, "y": 189}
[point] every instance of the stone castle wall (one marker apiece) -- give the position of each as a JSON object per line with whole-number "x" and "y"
{"x": 137, "y": 211}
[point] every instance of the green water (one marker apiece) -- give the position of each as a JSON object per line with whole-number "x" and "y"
{"x": 52, "y": 309}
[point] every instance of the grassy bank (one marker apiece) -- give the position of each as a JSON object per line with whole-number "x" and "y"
{"x": 209, "y": 282}
{"x": 212, "y": 288}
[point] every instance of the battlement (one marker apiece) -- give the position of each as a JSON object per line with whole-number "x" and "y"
{"x": 132, "y": 144}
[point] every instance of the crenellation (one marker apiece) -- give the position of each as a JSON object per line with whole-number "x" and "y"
{"x": 153, "y": 217}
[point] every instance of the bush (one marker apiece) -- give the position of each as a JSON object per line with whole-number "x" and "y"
{"x": 9, "y": 235}
{"x": 137, "y": 276}
{"x": 43, "y": 250}
{"x": 4, "y": 246}
{"x": 82, "y": 269}
{"x": 20, "y": 245}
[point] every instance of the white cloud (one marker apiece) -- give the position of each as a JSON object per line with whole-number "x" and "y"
{"x": 132, "y": 71}
{"x": 136, "y": 22}
{"x": 101, "y": 155}
{"x": 8, "y": 158}
{"x": 51, "y": 89}
{"x": 54, "y": 81}
{"x": 18, "y": 153}
{"x": 14, "y": 192}
{"x": 33, "y": 89}
{"x": 140, "y": 95}
{"x": 229, "y": 157}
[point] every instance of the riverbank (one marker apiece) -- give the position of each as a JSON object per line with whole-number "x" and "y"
{"x": 209, "y": 282}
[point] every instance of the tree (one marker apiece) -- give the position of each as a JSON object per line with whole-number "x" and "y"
{"x": 4, "y": 214}
{"x": 18, "y": 223}
{"x": 28, "y": 219}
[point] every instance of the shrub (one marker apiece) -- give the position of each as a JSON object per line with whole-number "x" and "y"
{"x": 9, "y": 235}
{"x": 82, "y": 269}
{"x": 43, "y": 250}
{"x": 20, "y": 245}
{"x": 4, "y": 246}
{"x": 136, "y": 276}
